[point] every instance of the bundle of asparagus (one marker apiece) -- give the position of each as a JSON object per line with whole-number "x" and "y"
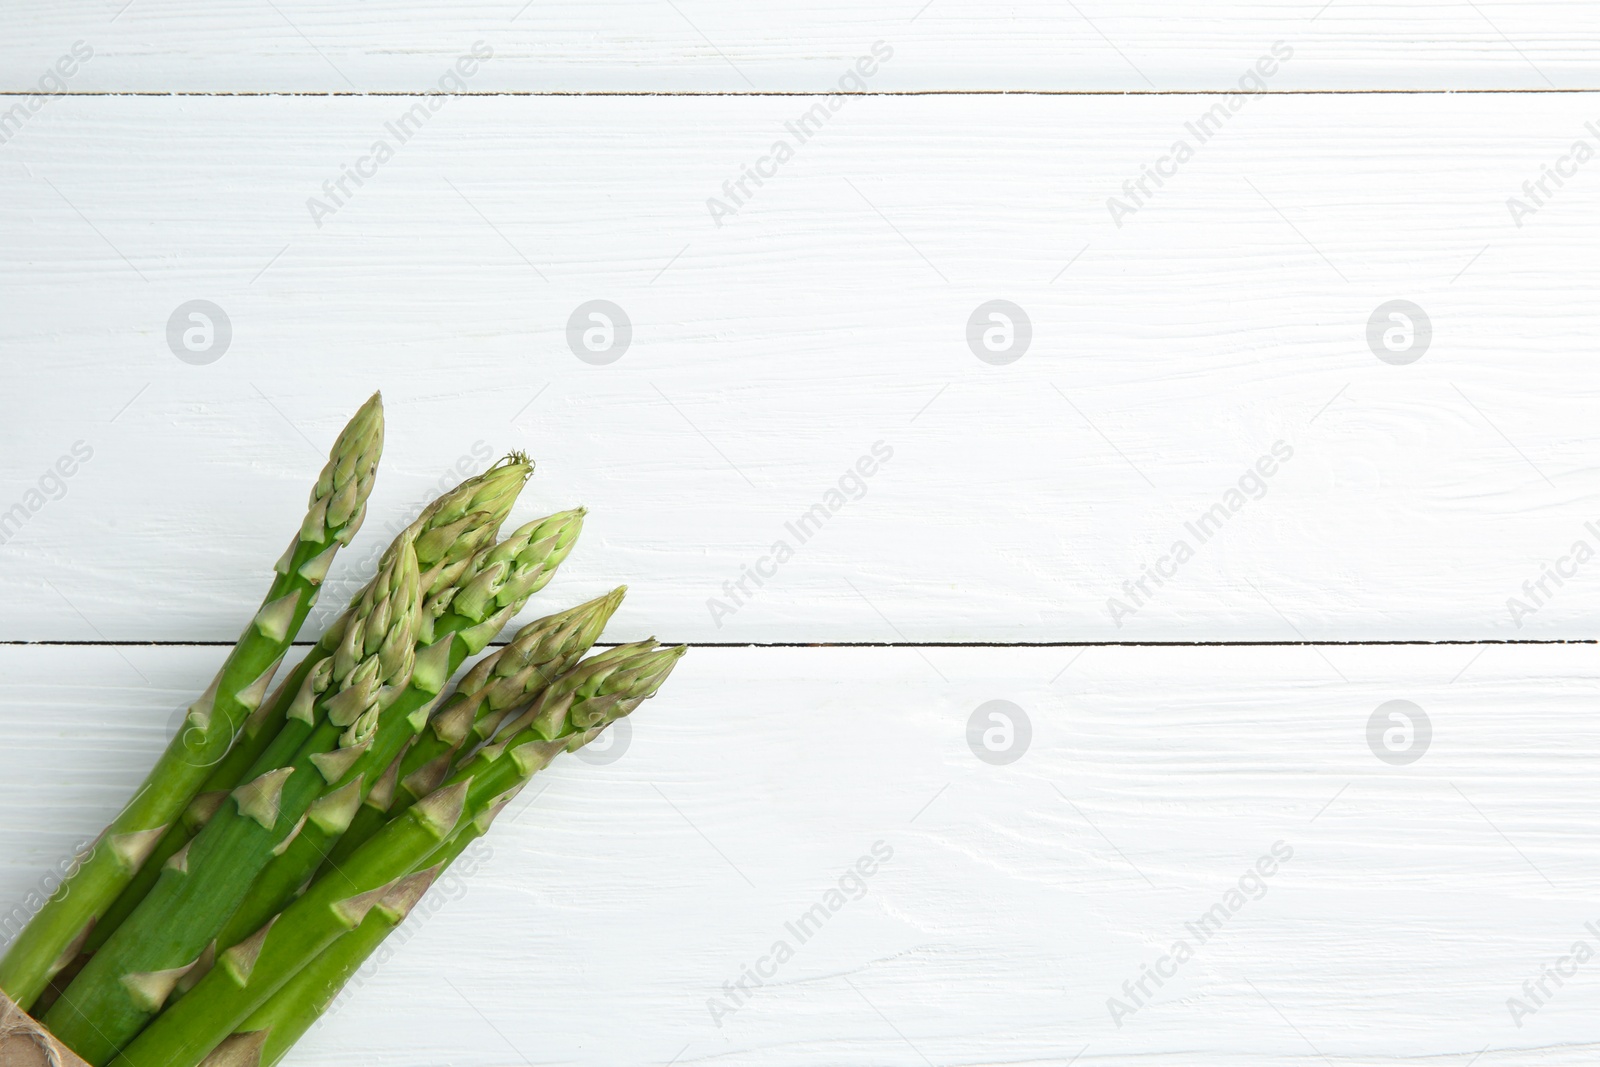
{"x": 279, "y": 840}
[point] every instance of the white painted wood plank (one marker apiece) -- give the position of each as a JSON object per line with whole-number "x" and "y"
{"x": 1018, "y": 899}
{"x": 828, "y": 314}
{"x": 699, "y": 46}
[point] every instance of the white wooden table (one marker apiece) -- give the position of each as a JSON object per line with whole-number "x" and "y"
{"x": 1303, "y": 380}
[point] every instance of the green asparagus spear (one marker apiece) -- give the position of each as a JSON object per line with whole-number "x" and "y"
{"x": 131, "y": 977}
{"x": 338, "y": 505}
{"x": 448, "y": 533}
{"x": 541, "y": 650}
{"x": 272, "y": 1029}
{"x": 513, "y": 571}
{"x": 569, "y": 713}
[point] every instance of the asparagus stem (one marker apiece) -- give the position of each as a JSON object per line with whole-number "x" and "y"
{"x": 569, "y": 713}
{"x": 179, "y": 834}
{"x": 131, "y": 977}
{"x": 535, "y": 550}
{"x": 448, "y": 533}
{"x": 272, "y": 1029}
{"x": 337, "y": 507}
{"x": 250, "y": 972}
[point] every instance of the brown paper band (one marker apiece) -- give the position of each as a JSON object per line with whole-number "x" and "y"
{"x": 25, "y": 1043}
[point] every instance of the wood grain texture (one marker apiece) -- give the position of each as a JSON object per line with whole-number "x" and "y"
{"x": 618, "y": 899}
{"x": 829, "y": 313}
{"x": 697, "y": 46}
{"x": 618, "y": 906}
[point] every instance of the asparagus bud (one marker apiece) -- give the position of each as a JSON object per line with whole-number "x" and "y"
{"x": 543, "y": 650}
{"x": 601, "y": 690}
{"x": 503, "y": 577}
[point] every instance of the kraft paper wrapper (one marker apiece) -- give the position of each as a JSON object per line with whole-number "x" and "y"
{"x": 26, "y": 1043}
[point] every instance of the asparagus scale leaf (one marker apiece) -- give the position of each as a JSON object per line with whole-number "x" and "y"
{"x": 336, "y": 509}
{"x": 570, "y": 713}
{"x": 136, "y": 971}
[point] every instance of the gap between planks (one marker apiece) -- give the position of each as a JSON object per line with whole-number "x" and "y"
{"x": 692, "y": 93}
{"x": 909, "y": 644}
